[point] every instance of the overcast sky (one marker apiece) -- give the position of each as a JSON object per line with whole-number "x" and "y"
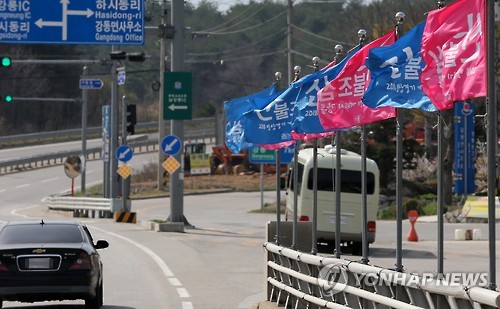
{"x": 223, "y": 4}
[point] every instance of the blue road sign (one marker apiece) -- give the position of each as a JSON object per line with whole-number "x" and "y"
{"x": 121, "y": 77}
{"x": 259, "y": 155}
{"x": 72, "y": 22}
{"x": 171, "y": 145}
{"x": 86, "y": 83}
{"x": 124, "y": 153}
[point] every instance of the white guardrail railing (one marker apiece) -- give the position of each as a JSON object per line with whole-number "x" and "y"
{"x": 81, "y": 206}
{"x": 302, "y": 280}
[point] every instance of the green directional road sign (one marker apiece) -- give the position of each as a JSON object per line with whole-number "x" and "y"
{"x": 177, "y": 95}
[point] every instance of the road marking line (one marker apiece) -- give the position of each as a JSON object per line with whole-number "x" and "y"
{"x": 183, "y": 293}
{"x": 164, "y": 267}
{"x": 187, "y": 305}
{"x": 2, "y": 190}
{"x": 23, "y": 186}
{"x": 174, "y": 282}
{"x": 50, "y": 179}
{"x": 14, "y": 211}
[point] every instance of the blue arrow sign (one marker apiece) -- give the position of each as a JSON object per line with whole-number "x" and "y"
{"x": 73, "y": 22}
{"x": 91, "y": 83}
{"x": 121, "y": 77}
{"x": 171, "y": 145}
{"x": 124, "y": 153}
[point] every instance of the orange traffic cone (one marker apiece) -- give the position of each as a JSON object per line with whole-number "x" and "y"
{"x": 412, "y": 216}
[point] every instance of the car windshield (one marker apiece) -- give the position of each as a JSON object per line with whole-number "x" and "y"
{"x": 41, "y": 233}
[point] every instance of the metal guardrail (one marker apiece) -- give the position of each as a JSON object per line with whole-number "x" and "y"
{"x": 38, "y": 161}
{"x": 81, "y": 206}
{"x": 23, "y": 163}
{"x": 54, "y": 135}
{"x": 302, "y": 280}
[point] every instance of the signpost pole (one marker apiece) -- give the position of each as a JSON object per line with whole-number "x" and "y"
{"x": 161, "y": 121}
{"x": 125, "y": 181}
{"x": 114, "y": 132}
{"x": 177, "y": 126}
{"x": 84, "y": 133}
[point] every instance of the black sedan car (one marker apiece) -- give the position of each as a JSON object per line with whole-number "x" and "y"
{"x": 50, "y": 260}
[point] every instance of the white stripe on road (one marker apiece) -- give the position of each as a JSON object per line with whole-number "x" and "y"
{"x": 14, "y": 211}
{"x": 183, "y": 293}
{"x": 164, "y": 267}
{"x": 174, "y": 282}
{"x": 187, "y": 305}
{"x": 2, "y": 190}
{"x": 23, "y": 186}
{"x": 50, "y": 179}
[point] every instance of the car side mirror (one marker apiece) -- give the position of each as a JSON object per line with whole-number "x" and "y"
{"x": 101, "y": 244}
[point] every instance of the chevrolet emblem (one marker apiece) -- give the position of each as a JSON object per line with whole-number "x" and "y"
{"x": 39, "y": 251}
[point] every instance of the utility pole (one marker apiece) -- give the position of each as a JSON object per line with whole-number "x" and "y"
{"x": 84, "y": 134}
{"x": 177, "y": 126}
{"x": 289, "y": 12}
{"x": 161, "y": 121}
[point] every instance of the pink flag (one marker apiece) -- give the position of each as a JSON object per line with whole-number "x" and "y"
{"x": 276, "y": 146}
{"x": 310, "y": 136}
{"x": 454, "y": 50}
{"x": 339, "y": 103}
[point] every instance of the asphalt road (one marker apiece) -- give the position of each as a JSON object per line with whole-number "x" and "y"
{"x": 217, "y": 264}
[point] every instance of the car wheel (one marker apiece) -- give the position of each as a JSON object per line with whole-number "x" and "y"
{"x": 96, "y": 301}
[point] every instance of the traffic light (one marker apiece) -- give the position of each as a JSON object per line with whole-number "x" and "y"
{"x": 6, "y": 99}
{"x": 6, "y": 61}
{"x": 131, "y": 119}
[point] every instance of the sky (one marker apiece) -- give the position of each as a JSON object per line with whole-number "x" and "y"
{"x": 223, "y": 4}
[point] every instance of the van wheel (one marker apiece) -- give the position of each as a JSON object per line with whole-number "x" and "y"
{"x": 357, "y": 248}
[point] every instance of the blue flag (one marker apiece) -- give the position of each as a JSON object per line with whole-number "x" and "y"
{"x": 395, "y": 74}
{"x": 234, "y": 109}
{"x": 272, "y": 124}
{"x": 305, "y": 113}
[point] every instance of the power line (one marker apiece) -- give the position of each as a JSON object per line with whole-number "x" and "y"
{"x": 272, "y": 53}
{"x": 238, "y": 48}
{"x": 319, "y": 36}
{"x": 243, "y": 30}
{"x": 234, "y": 18}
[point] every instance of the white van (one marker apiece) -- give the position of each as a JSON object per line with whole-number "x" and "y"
{"x": 351, "y": 198}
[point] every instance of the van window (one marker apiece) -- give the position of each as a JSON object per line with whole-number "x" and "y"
{"x": 351, "y": 181}
{"x": 300, "y": 171}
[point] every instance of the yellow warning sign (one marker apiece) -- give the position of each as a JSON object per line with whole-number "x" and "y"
{"x": 124, "y": 171}
{"x": 171, "y": 165}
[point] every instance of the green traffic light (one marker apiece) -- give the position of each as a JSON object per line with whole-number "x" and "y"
{"x": 6, "y": 62}
{"x": 8, "y": 98}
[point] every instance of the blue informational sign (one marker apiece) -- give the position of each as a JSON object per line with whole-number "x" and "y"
{"x": 260, "y": 155}
{"x": 124, "y": 153}
{"x": 87, "y": 83}
{"x": 171, "y": 145}
{"x": 106, "y": 124}
{"x": 103, "y": 22}
{"x": 464, "y": 148}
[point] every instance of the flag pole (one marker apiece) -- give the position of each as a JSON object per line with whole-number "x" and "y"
{"x": 336, "y": 176}
{"x": 492, "y": 140}
{"x": 297, "y": 70}
{"x": 277, "y": 78}
{"x": 314, "y": 249}
{"x": 440, "y": 197}
{"x": 400, "y": 17}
